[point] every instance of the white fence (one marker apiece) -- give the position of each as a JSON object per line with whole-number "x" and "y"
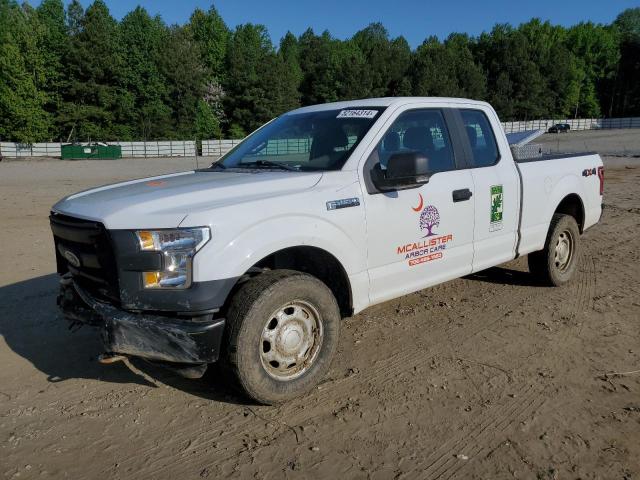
{"x": 167, "y": 148}
{"x": 8, "y": 149}
{"x": 216, "y": 148}
{"x": 282, "y": 146}
{"x": 576, "y": 124}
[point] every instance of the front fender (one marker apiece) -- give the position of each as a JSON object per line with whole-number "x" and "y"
{"x": 276, "y": 233}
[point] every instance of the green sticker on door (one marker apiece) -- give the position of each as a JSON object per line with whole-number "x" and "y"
{"x": 497, "y": 199}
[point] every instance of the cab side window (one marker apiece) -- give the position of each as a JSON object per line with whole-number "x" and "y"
{"x": 481, "y": 138}
{"x": 423, "y": 131}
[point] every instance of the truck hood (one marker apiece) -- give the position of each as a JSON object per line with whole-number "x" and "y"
{"x": 164, "y": 201}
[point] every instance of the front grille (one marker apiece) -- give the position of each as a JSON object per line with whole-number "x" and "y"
{"x": 88, "y": 242}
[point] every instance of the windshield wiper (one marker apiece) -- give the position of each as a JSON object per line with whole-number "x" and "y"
{"x": 269, "y": 163}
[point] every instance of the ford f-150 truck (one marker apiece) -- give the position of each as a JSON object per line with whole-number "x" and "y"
{"x": 315, "y": 216}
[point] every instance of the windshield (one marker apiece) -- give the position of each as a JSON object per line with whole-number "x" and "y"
{"x": 313, "y": 141}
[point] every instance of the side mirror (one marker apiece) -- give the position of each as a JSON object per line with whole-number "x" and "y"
{"x": 404, "y": 170}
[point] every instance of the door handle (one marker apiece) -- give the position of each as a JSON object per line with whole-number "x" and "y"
{"x": 462, "y": 195}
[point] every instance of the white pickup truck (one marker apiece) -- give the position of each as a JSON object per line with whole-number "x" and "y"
{"x": 317, "y": 215}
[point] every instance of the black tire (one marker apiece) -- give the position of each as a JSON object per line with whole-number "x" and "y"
{"x": 550, "y": 265}
{"x": 253, "y": 309}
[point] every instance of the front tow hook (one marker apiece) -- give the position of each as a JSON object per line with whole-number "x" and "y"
{"x": 108, "y": 358}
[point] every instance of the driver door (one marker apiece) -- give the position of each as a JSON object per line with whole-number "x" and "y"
{"x": 420, "y": 236}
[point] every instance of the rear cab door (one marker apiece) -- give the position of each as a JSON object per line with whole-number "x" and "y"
{"x": 421, "y": 236}
{"x": 496, "y": 184}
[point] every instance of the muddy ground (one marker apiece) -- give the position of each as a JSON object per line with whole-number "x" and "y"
{"x": 490, "y": 376}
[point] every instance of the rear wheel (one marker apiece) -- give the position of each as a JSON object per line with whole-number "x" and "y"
{"x": 556, "y": 264}
{"x": 282, "y": 335}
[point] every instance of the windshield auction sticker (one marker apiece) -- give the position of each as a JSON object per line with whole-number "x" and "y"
{"x": 496, "y": 208}
{"x": 357, "y": 114}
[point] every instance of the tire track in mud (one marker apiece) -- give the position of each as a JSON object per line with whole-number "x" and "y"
{"x": 471, "y": 439}
{"x": 454, "y": 469}
{"x": 587, "y": 286}
{"x": 403, "y": 361}
{"x": 484, "y": 431}
{"x": 380, "y": 372}
{"x": 231, "y": 415}
{"x": 584, "y": 286}
{"x": 232, "y": 439}
{"x": 585, "y": 290}
{"x": 396, "y": 366}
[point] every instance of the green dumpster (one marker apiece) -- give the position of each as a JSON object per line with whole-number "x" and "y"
{"x": 99, "y": 152}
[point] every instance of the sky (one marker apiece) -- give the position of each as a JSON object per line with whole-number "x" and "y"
{"x": 414, "y": 19}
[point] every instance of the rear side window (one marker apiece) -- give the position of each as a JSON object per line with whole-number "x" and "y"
{"x": 481, "y": 137}
{"x": 424, "y": 131}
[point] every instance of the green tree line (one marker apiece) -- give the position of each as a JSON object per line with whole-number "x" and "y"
{"x": 76, "y": 74}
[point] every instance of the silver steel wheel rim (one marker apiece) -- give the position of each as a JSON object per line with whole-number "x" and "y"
{"x": 563, "y": 253}
{"x": 291, "y": 339}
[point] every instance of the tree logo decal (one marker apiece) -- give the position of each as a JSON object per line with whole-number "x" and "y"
{"x": 429, "y": 218}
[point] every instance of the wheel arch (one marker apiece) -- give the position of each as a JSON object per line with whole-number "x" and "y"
{"x": 312, "y": 260}
{"x": 572, "y": 205}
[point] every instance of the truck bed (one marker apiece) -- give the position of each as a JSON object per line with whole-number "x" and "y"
{"x": 553, "y": 156}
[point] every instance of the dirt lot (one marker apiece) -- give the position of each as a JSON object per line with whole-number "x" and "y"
{"x": 606, "y": 142}
{"x": 490, "y": 376}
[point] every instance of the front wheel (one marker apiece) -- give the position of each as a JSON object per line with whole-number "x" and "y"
{"x": 283, "y": 328}
{"x": 557, "y": 262}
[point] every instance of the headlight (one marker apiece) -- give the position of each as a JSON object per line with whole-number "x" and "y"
{"x": 178, "y": 248}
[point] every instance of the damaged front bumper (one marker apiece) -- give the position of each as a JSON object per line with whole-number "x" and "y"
{"x": 159, "y": 338}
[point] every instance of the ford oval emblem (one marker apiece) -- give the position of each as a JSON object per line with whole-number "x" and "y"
{"x": 72, "y": 258}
